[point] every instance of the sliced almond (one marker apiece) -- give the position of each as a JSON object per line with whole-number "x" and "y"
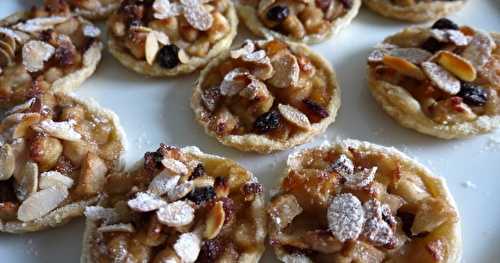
{"x": 203, "y": 181}
{"x": 35, "y": 53}
{"x": 215, "y": 221}
{"x": 128, "y": 228}
{"x": 152, "y": 47}
{"x": 286, "y": 70}
{"x": 413, "y": 55}
{"x": 294, "y": 116}
{"x": 53, "y": 178}
{"x": 441, "y": 78}
{"x": 163, "y": 183}
{"x": 403, "y": 67}
{"x": 181, "y": 191}
{"x": 145, "y": 202}
{"x": 5, "y": 58}
{"x": 479, "y": 50}
{"x": 183, "y": 56}
{"x": 176, "y": 214}
{"x": 174, "y": 166}
{"x": 27, "y": 181}
{"x": 40, "y": 23}
{"x": 7, "y": 162}
{"x": 188, "y": 247}
{"x": 41, "y": 203}
{"x": 92, "y": 175}
{"x": 63, "y": 130}
{"x": 457, "y": 65}
{"x": 23, "y": 126}
{"x": 108, "y": 215}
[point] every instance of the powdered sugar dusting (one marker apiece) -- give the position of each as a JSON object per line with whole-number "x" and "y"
{"x": 345, "y": 217}
{"x": 188, "y": 247}
{"x": 35, "y": 53}
{"x": 40, "y": 23}
{"x": 62, "y": 130}
{"x": 163, "y": 183}
{"x": 144, "y": 202}
{"x": 91, "y": 31}
{"x": 442, "y": 78}
{"x": 175, "y": 214}
{"x": 164, "y": 9}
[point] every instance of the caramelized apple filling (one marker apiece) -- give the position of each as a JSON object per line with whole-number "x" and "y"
{"x": 179, "y": 207}
{"x": 345, "y": 205}
{"x": 36, "y": 50}
{"x": 265, "y": 88}
{"x": 170, "y": 33}
{"x": 453, "y": 72}
{"x": 54, "y": 152}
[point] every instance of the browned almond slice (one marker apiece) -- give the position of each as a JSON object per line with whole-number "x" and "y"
{"x": 457, "y": 65}
{"x": 215, "y": 221}
{"x": 174, "y": 166}
{"x": 145, "y": 202}
{"x": 129, "y": 228}
{"x": 176, "y": 214}
{"x": 283, "y": 209}
{"x": 92, "y": 175}
{"x": 53, "y": 178}
{"x": 41, "y": 203}
{"x": 294, "y": 116}
{"x": 404, "y": 67}
{"x": 151, "y": 47}
{"x": 441, "y": 78}
{"x": 188, "y": 247}
{"x": 7, "y": 162}
{"x": 413, "y": 55}
{"x": 27, "y": 181}
{"x": 63, "y": 130}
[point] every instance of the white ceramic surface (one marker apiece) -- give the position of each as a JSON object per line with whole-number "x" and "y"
{"x": 157, "y": 110}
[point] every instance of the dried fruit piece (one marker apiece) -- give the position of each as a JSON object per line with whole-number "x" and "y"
{"x": 404, "y": 67}
{"x": 176, "y": 214}
{"x": 144, "y": 202}
{"x": 316, "y": 108}
{"x": 211, "y": 250}
{"x": 27, "y": 181}
{"x": 445, "y": 23}
{"x": 53, "y": 178}
{"x": 473, "y": 95}
{"x": 63, "y": 130}
{"x": 479, "y": 50}
{"x": 41, "y": 203}
{"x": 278, "y": 13}
{"x": 188, "y": 247}
{"x": 201, "y": 195}
{"x": 457, "y": 65}
{"x": 441, "y": 78}
{"x": 168, "y": 56}
{"x": 345, "y": 217}
{"x": 267, "y": 122}
{"x": 294, "y": 116}
{"x": 7, "y": 162}
{"x": 286, "y": 70}
{"x": 35, "y": 53}
{"x": 215, "y": 221}
{"x": 174, "y": 166}
{"x": 128, "y": 228}
{"x": 163, "y": 183}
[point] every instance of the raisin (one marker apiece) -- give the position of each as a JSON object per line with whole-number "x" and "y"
{"x": 202, "y": 194}
{"x": 278, "y": 13}
{"x": 198, "y": 171}
{"x": 267, "y": 122}
{"x": 65, "y": 54}
{"x": 473, "y": 95}
{"x": 432, "y": 45}
{"x": 445, "y": 23}
{"x": 252, "y": 188}
{"x": 407, "y": 221}
{"x": 229, "y": 208}
{"x": 210, "y": 251}
{"x": 316, "y": 108}
{"x": 323, "y": 4}
{"x": 168, "y": 56}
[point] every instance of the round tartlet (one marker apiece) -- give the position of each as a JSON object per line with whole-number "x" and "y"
{"x": 45, "y": 49}
{"x": 178, "y": 205}
{"x": 441, "y": 81}
{"x": 359, "y": 202}
{"x": 163, "y": 38}
{"x": 307, "y": 21}
{"x": 55, "y": 155}
{"x": 94, "y": 9}
{"x": 415, "y": 10}
{"x": 266, "y": 96}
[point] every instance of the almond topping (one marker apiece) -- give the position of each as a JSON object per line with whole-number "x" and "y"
{"x": 176, "y": 214}
{"x": 41, "y": 203}
{"x": 40, "y": 23}
{"x": 457, "y": 65}
{"x": 294, "y": 116}
{"x": 152, "y": 47}
{"x": 441, "y": 78}
{"x": 63, "y": 130}
{"x": 92, "y": 175}
{"x": 91, "y": 31}
{"x": 17, "y": 35}
{"x": 108, "y": 215}
{"x": 286, "y": 70}
{"x": 413, "y": 55}
{"x": 180, "y": 191}
{"x": 174, "y": 166}
{"x": 162, "y": 184}
{"x": 215, "y": 221}
{"x": 478, "y": 52}
{"x": 27, "y": 181}
{"x": 144, "y": 202}
{"x": 35, "y": 53}
{"x": 203, "y": 181}
{"x": 198, "y": 16}
{"x": 164, "y": 9}
{"x": 128, "y": 228}
{"x": 360, "y": 178}
{"x": 7, "y": 162}
{"x": 404, "y": 67}
{"x": 345, "y": 217}
{"x": 188, "y": 247}
{"x": 52, "y": 178}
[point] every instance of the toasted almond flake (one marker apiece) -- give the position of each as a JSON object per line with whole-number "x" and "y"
{"x": 174, "y": 166}
{"x": 360, "y": 178}
{"x": 457, "y": 65}
{"x": 21, "y": 107}
{"x": 145, "y": 202}
{"x": 180, "y": 191}
{"x": 294, "y": 116}
{"x": 52, "y": 178}
{"x": 7, "y": 162}
{"x": 441, "y": 78}
{"x": 234, "y": 81}
{"x": 35, "y": 53}
{"x": 478, "y": 52}
{"x": 203, "y": 181}
{"x": 151, "y": 47}
{"x": 163, "y": 183}
{"x": 188, "y": 247}
{"x": 164, "y": 9}
{"x": 413, "y": 55}
{"x": 95, "y": 213}
{"x": 404, "y": 67}
{"x": 128, "y": 228}
{"x": 176, "y": 214}
{"x": 63, "y": 130}
{"x": 17, "y": 35}
{"x": 40, "y": 23}
{"x": 345, "y": 217}
{"x": 198, "y": 17}
{"x": 215, "y": 221}
{"x": 91, "y": 31}
{"x": 27, "y": 181}
{"x": 247, "y": 48}
{"x": 343, "y": 166}
{"x": 454, "y": 36}
{"x": 41, "y": 203}
{"x": 286, "y": 70}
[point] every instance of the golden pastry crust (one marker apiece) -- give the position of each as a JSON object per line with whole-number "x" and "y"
{"x": 261, "y": 143}
{"x": 141, "y": 66}
{"x": 95, "y": 12}
{"x": 418, "y": 248}
{"x": 110, "y": 154}
{"x": 419, "y": 12}
{"x": 250, "y": 225}
{"x": 248, "y": 14}
{"x": 406, "y": 109}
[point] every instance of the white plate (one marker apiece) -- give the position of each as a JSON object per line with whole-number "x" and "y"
{"x": 157, "y": 110}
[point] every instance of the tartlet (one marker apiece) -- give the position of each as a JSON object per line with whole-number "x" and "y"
{"x": 266, "y": 96}
{"x": 55, "y": 155}
{"x": 45, "y": 49}
{"x": 307, "y": 21}
{"x": 415, "y": 10}
{"x": 178, "y": 205}
{"x": 163, "y": 38}
{"x": 441, "y": 81}
{"x": 359, "y": 202}
{"x": 94, "y": 9}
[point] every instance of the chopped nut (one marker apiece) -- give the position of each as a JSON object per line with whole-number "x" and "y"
{"x": 215, "y": 221}
{"x": 345, "y": 217}
{"x": 63, "y": 130}
{"x": 457, "y": 65}
{"x": 178, "y": 213}
{"x": 144, "y": 202}
{"x": 7, "y": 162}
{"x": 286, "y": 70}
{"x": 294, "y": 116}
{"x": 41, "y": 203}
{"x": 53, "y": 178}
{"x": 129, "y": 228}
{"x": 441, "y": 78}
{"x": 188, "y": 247}
{"x": 174, "y": 166}
{"x": 163, "y": 183}
{"x": 92, "y": 175}
{"x": 283, "y": 209}
{"x": 45, "y": 150}
{"x": 403, "y": 67}
{"x": 35, "y": 53}
{"x": 27, "y": 181}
